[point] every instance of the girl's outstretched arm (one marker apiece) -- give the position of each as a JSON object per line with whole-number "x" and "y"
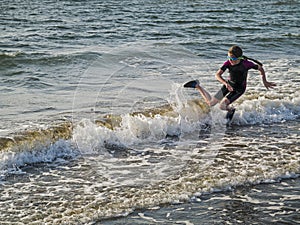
{"x": 264, "y": 79}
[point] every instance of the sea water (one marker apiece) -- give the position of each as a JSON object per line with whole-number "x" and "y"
{"x": 96, "y": 127}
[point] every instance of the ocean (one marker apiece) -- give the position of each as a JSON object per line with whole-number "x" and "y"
{"x": 96, "y": 127}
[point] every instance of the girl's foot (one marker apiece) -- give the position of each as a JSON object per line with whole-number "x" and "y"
{"x": 191, "y": 84}
{"x": 230, "y": 114}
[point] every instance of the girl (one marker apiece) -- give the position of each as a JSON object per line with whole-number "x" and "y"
{"x": 238, "y": 66}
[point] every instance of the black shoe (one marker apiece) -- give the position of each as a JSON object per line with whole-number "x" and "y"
{"x": 230, "y": 114}
{"x": 191, "y": 84}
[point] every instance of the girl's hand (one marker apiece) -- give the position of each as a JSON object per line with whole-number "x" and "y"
{"x": 269, "y": 84}
{"x": 228, "y": 86}
{"x": 264, "y": 79}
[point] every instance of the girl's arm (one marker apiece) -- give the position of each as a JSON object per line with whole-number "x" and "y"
{"x": 221, "y": 79}
{"x": 264, "y": 79}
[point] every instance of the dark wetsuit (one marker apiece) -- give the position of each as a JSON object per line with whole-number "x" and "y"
{"x": 237, "y": 79}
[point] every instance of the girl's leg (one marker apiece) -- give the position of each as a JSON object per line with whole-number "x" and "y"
{"x": 224, "y": 104}
{"x": 211, "y": 101}
{"x": 230, "y": 98}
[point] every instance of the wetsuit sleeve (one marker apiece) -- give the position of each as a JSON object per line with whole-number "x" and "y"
{"x": 225, "y": 66}
{"x": 250, "y": 65}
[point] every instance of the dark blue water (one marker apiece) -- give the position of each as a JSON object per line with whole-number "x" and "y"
{"x": 74, "y": 63}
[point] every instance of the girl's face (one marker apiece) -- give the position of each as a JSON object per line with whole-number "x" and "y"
{"x": 232, "y": 59}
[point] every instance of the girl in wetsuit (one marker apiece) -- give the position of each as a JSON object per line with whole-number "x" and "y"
{"x": 238, "y": 66}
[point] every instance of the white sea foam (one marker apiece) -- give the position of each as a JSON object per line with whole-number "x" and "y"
{"x": 11, "y": 161}
{"x": 266, "y": 111}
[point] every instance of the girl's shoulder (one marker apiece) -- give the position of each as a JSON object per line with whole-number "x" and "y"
{"x": 248, "y": 64}
{"x": 226, "y": 64}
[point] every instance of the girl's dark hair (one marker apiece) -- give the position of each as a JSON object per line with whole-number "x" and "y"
{"x": 254, "y": 60}
{"x": 238, "y": 52}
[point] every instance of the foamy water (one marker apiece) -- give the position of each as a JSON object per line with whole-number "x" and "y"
{"x": 95, "y": 123}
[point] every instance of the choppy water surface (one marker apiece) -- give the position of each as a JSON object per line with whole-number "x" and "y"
{"x": 276, "y": 203}
{"x": 97, "y": 129}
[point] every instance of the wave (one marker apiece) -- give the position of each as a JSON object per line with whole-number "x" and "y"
{"x": 11, "y": 58}
{"x": 264, "y": 110}
{"x": 34, "y": 146}
{"x": 42, "y": 142}
{"x": 120, "y": 132}
{"x": 9, "y": 54}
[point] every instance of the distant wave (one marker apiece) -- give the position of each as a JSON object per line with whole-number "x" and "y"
{"x": 9, "y": 54}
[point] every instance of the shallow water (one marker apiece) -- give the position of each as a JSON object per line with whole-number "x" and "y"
{"x": 152, "y": 174}
{"x": 95, "y": 123}
{"x": 276, "y": 203}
